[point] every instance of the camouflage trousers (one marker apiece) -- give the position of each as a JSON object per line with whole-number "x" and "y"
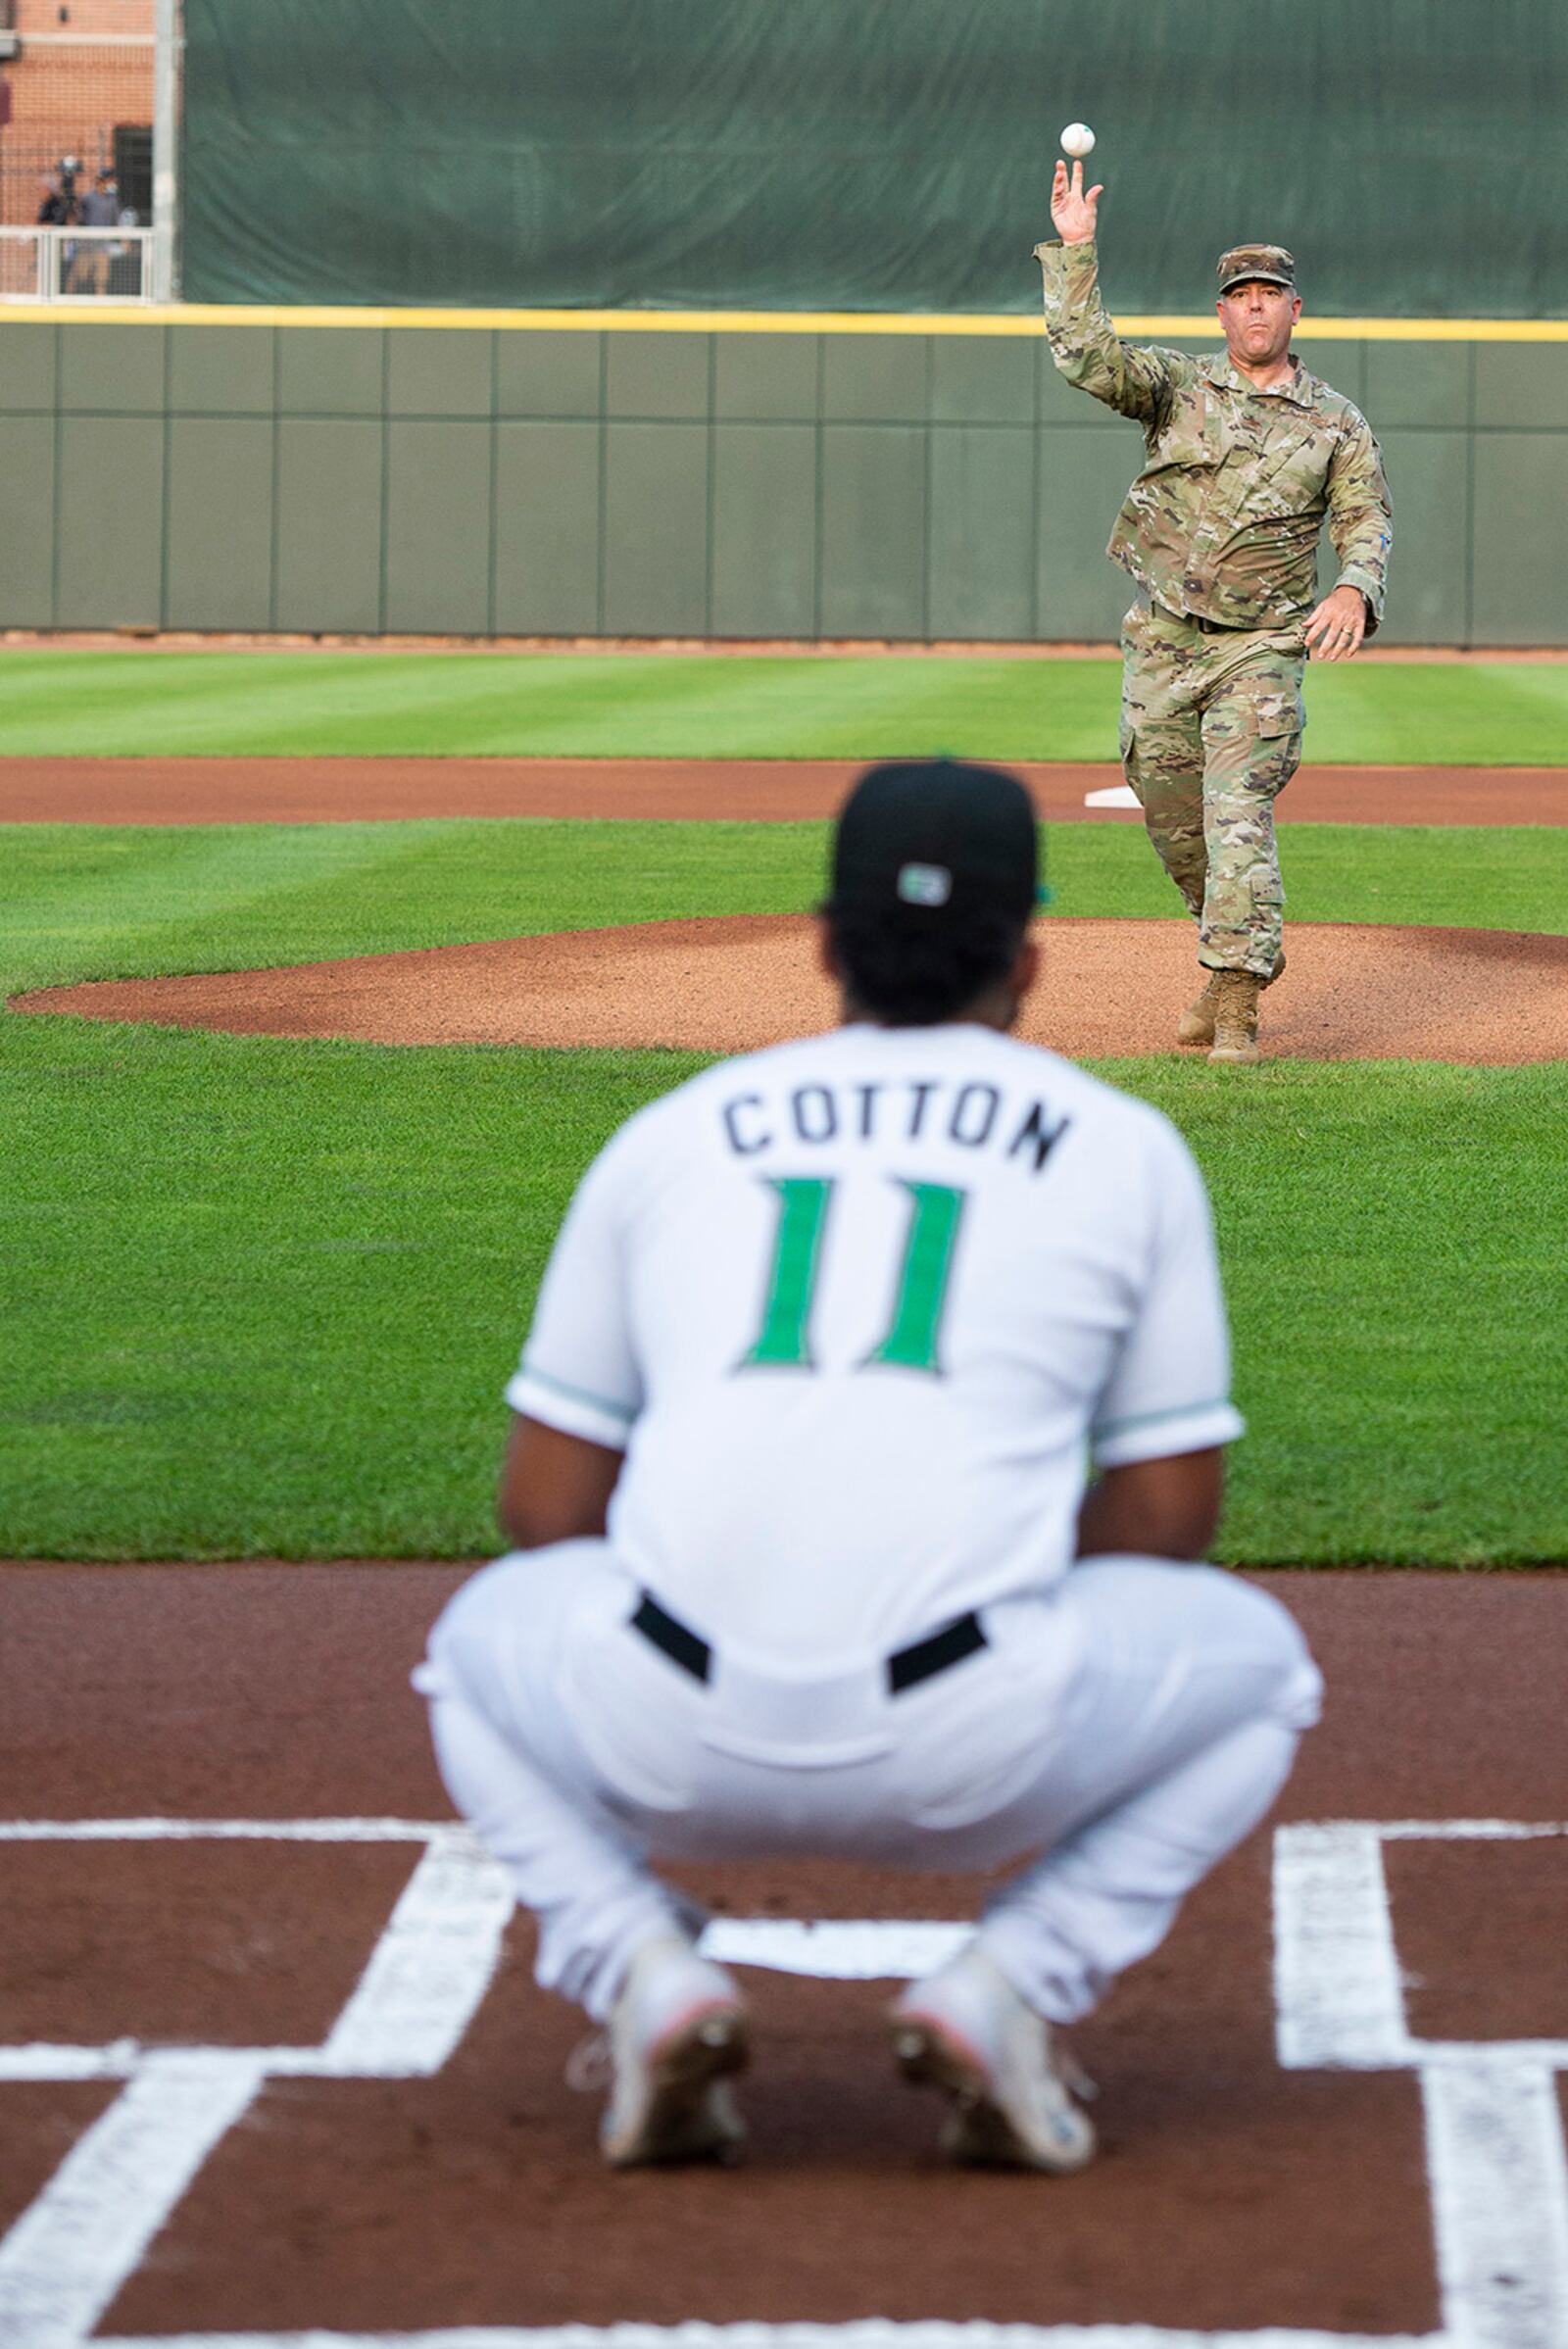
{"x": 1210, "y": 731}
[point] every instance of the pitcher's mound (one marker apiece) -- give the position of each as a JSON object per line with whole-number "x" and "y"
{"x": 1351, "y": 992}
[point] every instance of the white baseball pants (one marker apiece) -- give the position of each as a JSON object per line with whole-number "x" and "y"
{"x": 1122, "y": 1732}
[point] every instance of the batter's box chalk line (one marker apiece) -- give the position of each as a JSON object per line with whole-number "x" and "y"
{"x": 1493, "y": 2137}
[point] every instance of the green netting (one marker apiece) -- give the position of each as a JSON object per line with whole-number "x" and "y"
{"x": 871, "y": 154}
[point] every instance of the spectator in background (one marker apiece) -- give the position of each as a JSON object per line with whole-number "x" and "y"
{"x": 56, "y": 210}
{"x": 89, "y": 266}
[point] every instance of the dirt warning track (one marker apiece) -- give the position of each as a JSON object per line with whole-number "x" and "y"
{"x": 1329, "y": 2104}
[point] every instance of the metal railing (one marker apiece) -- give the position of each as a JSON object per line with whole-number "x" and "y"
{"x": 94, "y": 102}
{"x": 78, "y": 264}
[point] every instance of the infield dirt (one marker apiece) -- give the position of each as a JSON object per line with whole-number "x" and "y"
{"x": 1353, "y": 992}
{"x": 304, "y": 790}
{"x": 1232, "y": 2192}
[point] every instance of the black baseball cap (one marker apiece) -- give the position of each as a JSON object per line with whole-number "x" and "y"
{"x": 936, "y": 845}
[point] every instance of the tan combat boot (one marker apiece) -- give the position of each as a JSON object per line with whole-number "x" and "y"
{"x": 1197, "y": 1022}
{"x": 1236, "y": 994}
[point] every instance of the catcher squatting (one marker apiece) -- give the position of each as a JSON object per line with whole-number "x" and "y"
{"x": 1246, "y": 455}
{"x": 804, "y": 1561}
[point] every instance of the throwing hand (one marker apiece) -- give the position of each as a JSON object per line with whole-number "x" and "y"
{"x": 1072, "y": 212}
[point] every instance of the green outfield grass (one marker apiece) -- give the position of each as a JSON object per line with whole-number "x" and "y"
{"x": 114, "y": 902}
{"x": 260, "y": 1297}
{"x": 712, "y": 705}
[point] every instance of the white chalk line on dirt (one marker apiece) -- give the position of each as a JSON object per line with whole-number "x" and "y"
{"x": 435, "y": 1960}
{"x": 1499, "y": 2202}
{"x": 433, "y": 1831}
{"x": 1494, "y": 2145}
{"x": 91, "y": 2226}
{"x": 1339, "y": 1992}
{"x": 835, "y": 1948}
{"x": 1338, "y": 2000}
{"x": 232, "y": 1831}
{"x": 67, "y": 2255}
{"x": 428, "y": 1972}
{"x": 1496, "y": 2163}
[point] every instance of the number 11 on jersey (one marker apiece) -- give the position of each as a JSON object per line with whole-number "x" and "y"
{"x": 784, "y": 1340}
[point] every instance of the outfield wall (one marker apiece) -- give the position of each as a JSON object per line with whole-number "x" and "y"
{"x": 521, "y": 480}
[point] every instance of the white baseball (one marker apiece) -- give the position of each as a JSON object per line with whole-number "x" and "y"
{"x": 1077, "y": 140}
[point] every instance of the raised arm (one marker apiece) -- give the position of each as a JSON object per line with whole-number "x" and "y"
{"x": 1134, "y": 381}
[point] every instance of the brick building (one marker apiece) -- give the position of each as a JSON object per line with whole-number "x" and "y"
{"x": 76, "y": 81}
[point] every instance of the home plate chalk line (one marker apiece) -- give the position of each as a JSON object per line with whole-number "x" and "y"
{"x": 1495, "y": 2163}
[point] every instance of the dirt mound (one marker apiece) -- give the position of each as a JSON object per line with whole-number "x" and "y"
{"x": 1353, "y": 992}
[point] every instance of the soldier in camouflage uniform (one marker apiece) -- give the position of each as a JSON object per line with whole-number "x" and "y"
{"x": 1247, "y": 455}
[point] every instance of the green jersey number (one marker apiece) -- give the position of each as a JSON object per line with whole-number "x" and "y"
{"x": 784, "y": 1340}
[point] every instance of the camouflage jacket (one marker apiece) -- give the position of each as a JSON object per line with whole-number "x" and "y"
{"x": 1223, "y": 520}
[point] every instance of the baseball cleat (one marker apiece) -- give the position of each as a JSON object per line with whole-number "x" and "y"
{"x": 677, "y": 2029}
{"x": 965, "y": 2030}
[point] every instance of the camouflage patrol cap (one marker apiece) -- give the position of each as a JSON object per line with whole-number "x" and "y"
{"x": 1244, "y": 262}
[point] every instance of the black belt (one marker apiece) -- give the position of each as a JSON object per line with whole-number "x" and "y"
{"x": 1195, "y": 619}
{"x": 905, "y": 1668}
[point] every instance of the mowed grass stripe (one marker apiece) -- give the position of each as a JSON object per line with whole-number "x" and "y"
{"x": 713, "y": 706}
{"x": 122, "y": 902}
{"x": 261, "y": 1297}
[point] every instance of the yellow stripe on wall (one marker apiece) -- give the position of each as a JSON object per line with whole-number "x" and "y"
{"x": 747, "y": 321}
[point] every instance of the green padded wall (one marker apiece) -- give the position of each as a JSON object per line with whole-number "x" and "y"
{"x": 524, "y": 482}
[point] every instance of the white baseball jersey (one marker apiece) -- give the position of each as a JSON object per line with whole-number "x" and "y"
{"x": 856, "y": 1308}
